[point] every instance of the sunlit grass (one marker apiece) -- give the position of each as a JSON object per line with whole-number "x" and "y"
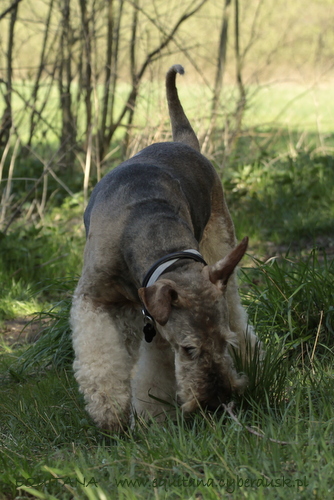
{"x": 301, "y": 109}
{"x": 294, "y": 107}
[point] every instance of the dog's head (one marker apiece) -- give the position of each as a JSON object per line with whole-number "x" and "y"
{"x": 191, "y": 313}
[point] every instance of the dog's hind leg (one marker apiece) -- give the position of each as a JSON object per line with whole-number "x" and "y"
{"x": 102, "y": 363}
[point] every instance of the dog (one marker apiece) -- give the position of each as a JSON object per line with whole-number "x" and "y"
{"x": 157, "y": 308}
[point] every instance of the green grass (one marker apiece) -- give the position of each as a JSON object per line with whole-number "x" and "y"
{"x": 300, "y": 109}
{"x": 292, "y": 107}
{"x": 293, "y": 300}
{"x": 284, "y": 199}
{"x": 47, "y": 435}
{"x": 277, "y": 441}
{"x": 33, "y": 256}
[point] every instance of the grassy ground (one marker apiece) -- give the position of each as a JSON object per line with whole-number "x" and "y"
{"x": 277, "y": 441}
{"x": 49, "y": 450}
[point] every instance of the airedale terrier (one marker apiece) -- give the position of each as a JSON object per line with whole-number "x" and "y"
{"x": 161, "y": 254}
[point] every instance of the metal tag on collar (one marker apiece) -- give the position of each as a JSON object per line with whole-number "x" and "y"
{"x": 149, "y": 326}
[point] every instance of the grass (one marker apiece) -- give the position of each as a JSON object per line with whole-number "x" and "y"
{"x": 33, "y": 257}
{"x": 294, "y": 299}
{"x": 51, "y": 450}
{"x": 292, "y": 107}
{"x": 300, "y": 109}
{"x": 283, "y": 199}
{"x": 45, "y": 423}
{"x": 276, "y": 442}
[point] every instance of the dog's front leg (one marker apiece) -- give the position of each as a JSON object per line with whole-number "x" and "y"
{"x": 102, "y": 363}
{"x": 154, "y": 384}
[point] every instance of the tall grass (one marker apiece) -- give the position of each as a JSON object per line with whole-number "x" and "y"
{"x": 292, "y": 301}
{"x": 37, "y": 255}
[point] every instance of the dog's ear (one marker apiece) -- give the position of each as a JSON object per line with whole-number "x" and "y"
{"x": 220, "y": 272}
{"x": 158, "y": 299}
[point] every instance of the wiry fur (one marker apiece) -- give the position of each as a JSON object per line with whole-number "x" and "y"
{"x": 166, "y": 198}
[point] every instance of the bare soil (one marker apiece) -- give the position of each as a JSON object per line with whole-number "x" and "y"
{"x": 21, "y": 330}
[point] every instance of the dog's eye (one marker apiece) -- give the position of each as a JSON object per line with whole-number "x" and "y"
{"x": 189, "y": 351}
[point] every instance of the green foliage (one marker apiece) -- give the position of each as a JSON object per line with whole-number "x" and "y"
{"x": 293, "y": 300}
{"x": 34, "y": 256}
{"x": 267, "y": 368}
{"x": 54, "y": 346}
{"x": 283, "y": 199}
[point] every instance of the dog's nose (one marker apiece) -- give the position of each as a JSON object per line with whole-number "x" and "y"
{"x": 213, "y": 405}
{"x": 209, "y": 404}
{"x": 221, "y": 395}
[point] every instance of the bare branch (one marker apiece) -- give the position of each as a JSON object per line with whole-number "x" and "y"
{"x": 47, "y": 169}
{"x": 11, "y": 7}
{"x": 168, "y": 37}
{"x": 229, "y": 409}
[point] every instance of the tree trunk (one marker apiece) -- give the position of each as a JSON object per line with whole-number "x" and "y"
{"x": 6, "y": 120}
{"x": 221, "y": 60}
{"x": 68, "y": 134}
{"x": 87, "y": 67}
{"x": 242, "y": 92}
{"x": 105, "y": 104}
{"x": 35, "y": 115}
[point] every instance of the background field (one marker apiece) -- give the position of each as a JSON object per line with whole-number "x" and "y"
{"x": 270, "y": 135}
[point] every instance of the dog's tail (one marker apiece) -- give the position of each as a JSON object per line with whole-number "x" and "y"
{"x": 181, "y": 128}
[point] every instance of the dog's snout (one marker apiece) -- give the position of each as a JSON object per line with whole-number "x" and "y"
{"x": 211, "y": 396}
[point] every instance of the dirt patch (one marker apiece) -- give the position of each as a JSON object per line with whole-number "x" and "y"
{"x": 21, "y": 330}
{"x": 301, "y": 249}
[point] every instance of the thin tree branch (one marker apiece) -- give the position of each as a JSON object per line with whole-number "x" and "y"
{"x": 130, "y": 103}
{"x": 47, "y": 169}
{"x": 229, "y": 409}
{"x": 11, "y": 7}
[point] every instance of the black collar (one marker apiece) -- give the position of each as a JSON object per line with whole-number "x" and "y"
{"x": 154, "y": 273}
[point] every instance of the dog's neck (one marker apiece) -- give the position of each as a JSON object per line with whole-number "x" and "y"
{"x": 154, "y": 273}
{"x": 161, "y": 265}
